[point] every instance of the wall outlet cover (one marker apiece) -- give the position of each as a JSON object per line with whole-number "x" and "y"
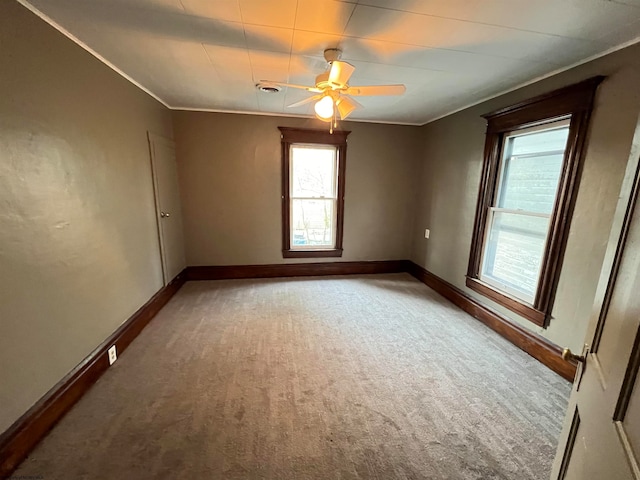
{"x": 427, "y": 232}
{"x": 113, "y": 356}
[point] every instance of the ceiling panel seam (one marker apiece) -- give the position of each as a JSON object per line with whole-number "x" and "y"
{"x": 86, "y": 47}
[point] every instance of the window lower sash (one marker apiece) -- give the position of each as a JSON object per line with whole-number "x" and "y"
{"x": 515, "y": 305}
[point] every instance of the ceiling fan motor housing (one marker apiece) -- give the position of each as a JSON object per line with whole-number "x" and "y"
{"x": 331, "y": 54}
{"x": 322, "y": 80}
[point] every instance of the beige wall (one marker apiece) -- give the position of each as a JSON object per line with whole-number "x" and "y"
{"x": 78, "y": 240}
{"x": 450, "y": 175}
{"x": 230, "y": 179}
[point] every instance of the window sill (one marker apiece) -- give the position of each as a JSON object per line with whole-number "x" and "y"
{"x": 517, "y": 306}
{"x": 312, "y": 253}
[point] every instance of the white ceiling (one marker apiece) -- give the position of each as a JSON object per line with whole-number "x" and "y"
{"x": 209, "y": 54}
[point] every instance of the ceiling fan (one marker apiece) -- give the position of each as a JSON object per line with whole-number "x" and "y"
{"x": 333, "y": 92}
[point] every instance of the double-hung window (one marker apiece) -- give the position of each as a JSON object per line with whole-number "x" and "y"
{"x": 528, "y": 188}
{"x": 518, "y": 219}
{"x": 313, "y": 168}
{"x": 313, "y": 193}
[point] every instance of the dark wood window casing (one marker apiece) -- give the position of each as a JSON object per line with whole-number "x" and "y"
{"x": 305, "y": 136}
{"x": 574, "y": 102}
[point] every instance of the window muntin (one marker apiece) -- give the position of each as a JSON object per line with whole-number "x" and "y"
{"x": 313, "y": 193}
{"x": 518, "y": 219}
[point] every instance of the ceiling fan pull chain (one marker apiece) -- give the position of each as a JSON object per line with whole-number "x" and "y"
{"x": 334, "y": 122}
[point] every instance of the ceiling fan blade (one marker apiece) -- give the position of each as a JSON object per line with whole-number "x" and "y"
{"x": 305, "y": 101}
{"x": 302, "y": 87}
{"x": 376, "y": 90}
{"x": 340, "y": 73}
{"x": 346, "y": 106}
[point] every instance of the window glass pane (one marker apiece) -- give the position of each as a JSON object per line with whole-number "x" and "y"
{"x": 312, "y": 223}
{"x": 513, "y": 252}
{"x": 543, "y": 141}
{"x": 530, "y": 183}
{"x": 313, "y": 171}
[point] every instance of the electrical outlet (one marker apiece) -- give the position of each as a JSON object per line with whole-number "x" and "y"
{"x": 113, "y": 356}
{"x": 427, "y": 233}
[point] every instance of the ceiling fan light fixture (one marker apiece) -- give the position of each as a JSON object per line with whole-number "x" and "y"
{"x": 334, "y": 91}
{"x": 324, "y": 108}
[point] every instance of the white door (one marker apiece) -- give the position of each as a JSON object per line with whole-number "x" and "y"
{"x": 168, "y": 210}
{"x": 601, "y": 436}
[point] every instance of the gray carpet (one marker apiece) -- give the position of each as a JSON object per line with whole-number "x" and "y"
{"x": 372, "y": 377}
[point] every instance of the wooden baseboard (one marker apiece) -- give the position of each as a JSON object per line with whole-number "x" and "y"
{"x": 28, "y": 430}
{"x": 295, "y": 270}
{"x": 538, "y": 347}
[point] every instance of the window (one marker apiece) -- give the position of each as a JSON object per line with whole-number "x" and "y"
{"x": 528, "y": 187}
{"x": 518, "y": 220}
{"x": 313, "y": 168}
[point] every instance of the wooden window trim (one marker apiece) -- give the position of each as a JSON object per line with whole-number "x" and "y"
{"x": 338, "y": 139}
{"x": 576, "y": 102}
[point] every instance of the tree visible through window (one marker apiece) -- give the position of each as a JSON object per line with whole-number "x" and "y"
{"x": 313, "y": 167}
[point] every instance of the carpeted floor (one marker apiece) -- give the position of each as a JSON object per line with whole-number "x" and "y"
{"x": 372, "y": 377}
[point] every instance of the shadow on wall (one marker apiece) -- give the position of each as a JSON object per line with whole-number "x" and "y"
{"x": 450, "y": 180}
